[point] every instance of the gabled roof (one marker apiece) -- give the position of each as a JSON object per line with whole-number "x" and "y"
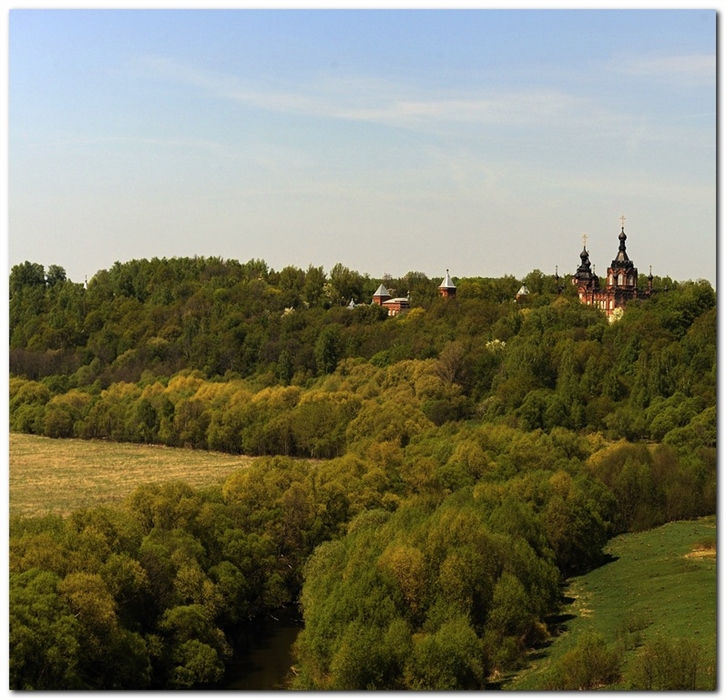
{"x": 446, "y": 283}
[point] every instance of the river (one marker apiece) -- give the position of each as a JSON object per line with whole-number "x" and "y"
{"x": 263, "y": 654}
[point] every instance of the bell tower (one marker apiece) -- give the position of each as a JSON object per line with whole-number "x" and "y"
{"x": 622, "y": 279}
{"x": 447, "y": 288}
{"x": 584, "y": 278}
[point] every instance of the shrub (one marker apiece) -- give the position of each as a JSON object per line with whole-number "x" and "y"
{"x": 591, "y": 664}
{"x": 671, "y": 664}
{"x": 630, "y": 631}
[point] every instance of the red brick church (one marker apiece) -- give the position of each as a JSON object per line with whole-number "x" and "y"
{"x": 395, "y": 306}
{"x": 621, "y": 283}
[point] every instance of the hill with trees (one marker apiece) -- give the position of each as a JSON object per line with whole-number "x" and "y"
{"x": 472, "y": 453}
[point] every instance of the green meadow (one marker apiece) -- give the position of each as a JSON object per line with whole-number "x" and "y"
{"x": 660, "y": 583}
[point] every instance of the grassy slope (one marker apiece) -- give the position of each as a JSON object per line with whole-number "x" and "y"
{"x": 60, "y": 475}
{"x": 651, "y": 578}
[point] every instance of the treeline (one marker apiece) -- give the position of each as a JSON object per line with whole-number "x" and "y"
{"x": 208, "y": 314}
{"x": 144, "y": 374}
{"x": 475, "y": 451}
{"x": 359, "y": 402}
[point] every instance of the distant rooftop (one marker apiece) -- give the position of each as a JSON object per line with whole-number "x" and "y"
{"x": 447, "y": 283}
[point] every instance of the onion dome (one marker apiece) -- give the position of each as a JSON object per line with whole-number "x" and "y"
{"x": 622, "y": 259}
{"x": 584, "y": 272}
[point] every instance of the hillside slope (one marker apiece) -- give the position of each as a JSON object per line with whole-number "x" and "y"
{"x": 658, "y": 584}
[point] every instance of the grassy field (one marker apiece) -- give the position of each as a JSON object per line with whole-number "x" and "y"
{"x": 664, "y": 579}
{"x": 57, "y": 476}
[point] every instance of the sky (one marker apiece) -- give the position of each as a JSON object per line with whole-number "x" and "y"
{"x": 486, "y": 142}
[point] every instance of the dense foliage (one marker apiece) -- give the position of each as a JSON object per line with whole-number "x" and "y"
{"x": 474, "y": 451}
{"x": 141, "y": 596}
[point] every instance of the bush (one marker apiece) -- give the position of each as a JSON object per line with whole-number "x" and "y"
{"x": 630, "y": 631}
{"x": 671, "y": 664}
{"x": 591, "y": 664}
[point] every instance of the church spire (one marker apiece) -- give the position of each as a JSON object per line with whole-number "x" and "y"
{"x": 447, "y": 288}
{"x": 622, "y": 257}
{"x": 584, "y": 269}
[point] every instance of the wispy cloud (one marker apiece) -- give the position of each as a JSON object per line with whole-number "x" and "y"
{"x": 372, "y": 100}
{"x": 690, "y": 69}
{"x": 529, "y": 117}
{"x": 411, "y": 106}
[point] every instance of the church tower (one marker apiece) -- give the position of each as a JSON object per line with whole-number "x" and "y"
{"x": 622, "y": 279}
{"x": 447, "y": 288}
{"x": 585, "y": 279}
{"x": 622, "y": 274}
{"x": 381, "y": 295}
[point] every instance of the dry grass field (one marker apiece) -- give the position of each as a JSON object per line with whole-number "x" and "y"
{"x": 58, "y": 476}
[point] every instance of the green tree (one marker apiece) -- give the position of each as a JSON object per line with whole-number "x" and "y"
{"x": 313, "y": 288}
{"x": 146, "y": 420}
{"x": 55, "y": 275}
{"x": 26, "y": 274}
{"x": 198, "y": 648}
{"x": 44, "y": 635}
{"x": 328, "y": 349}
{"x": 450, "y": 659}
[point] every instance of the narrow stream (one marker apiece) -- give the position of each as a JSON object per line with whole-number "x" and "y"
{"x": 263, "y": 654}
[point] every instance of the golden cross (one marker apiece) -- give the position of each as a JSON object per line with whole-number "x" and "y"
{"x": 622, "y": 222}
{"x": 584, "y": 241}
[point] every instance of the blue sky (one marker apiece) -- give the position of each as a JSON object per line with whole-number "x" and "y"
{"x": 487, "y": 142}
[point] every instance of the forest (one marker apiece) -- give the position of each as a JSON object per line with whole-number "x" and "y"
{"x": 423, "y": 484}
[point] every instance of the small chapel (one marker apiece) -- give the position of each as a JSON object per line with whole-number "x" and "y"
{"x": 394, "y": 305}
{"x": 621, "y": 282}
